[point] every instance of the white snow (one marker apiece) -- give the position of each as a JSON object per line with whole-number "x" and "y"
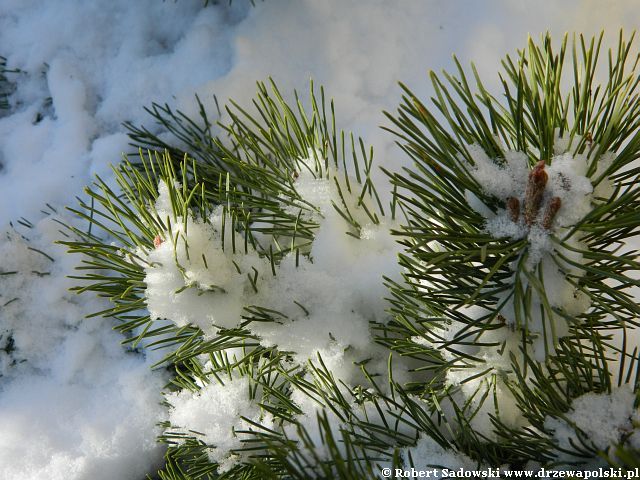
{"x": 214, "y": 412}
{"x": 308, "y": 420}
{"x": 601, "y": 430}
{"x": 73, "y": 404}
{"x": 501, "y": 180}
{"x": 427, "y": 453}
{"x": 87, "y": 67}
{"x": 325, "y": 299}
{"x": 481, "y": 385}
{"x": 339, "y": 285}
{"x": 190, "y": 278}
{"x": 566, "y": 182}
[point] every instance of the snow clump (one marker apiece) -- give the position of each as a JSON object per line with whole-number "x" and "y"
{"x": 215, "y": 412}
{"x": 322, "y": 301}
{"x": 605, "y": 419}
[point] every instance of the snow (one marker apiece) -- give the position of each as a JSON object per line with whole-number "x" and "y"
{"x": 602, "y": 431}
{"x": 64, "y": 414}
{"x": 565, "y": 179}
{"x": 325, "y": 300}
{"x": 501, "y": 180}
{"x": 427, "y": 453}
{"x": 214, "y": 411}
{"x": 339, "y": 285}
{"x": 308, "y": 421}
{"x": 71, "y": 410}
{"x": 190, "y": 279}
{"x": 475, "y": 382}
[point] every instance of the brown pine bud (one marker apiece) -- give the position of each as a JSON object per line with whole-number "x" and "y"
{"x": 157, "y": 241}
{"x": 550, "y": 212}
{"x": 513, "y": 207}
{"x": 535, "y": 190}
{"x": 588, "y": 139}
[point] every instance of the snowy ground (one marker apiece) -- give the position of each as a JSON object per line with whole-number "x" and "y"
{"x": 79, "y": 406}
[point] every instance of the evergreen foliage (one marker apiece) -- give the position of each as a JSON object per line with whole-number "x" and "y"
{"x": 453, "y": 262}
{"x": 485, "y": 357}
{"x": 251, "y": 175}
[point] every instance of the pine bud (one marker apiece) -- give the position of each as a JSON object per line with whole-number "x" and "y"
{"x": 534, "y": 192}
{"x": 550, "y": 212}
{"x": 513, "y": 207}
{"x": 588, "y": 139}
{"x": 157, "y": 241}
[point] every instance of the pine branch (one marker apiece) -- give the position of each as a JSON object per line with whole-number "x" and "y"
{"x": 516, "y": 268}
{"x": 454, "y": 260}
{"x": 251, "y": 175}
